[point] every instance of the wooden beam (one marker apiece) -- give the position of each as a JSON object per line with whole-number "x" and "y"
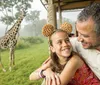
{"x": 77, "y": 5}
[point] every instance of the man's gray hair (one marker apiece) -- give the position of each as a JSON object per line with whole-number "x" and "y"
{"x": 92, "y": 11}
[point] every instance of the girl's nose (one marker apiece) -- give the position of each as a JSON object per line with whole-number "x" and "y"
{"x": 65, "y": 43}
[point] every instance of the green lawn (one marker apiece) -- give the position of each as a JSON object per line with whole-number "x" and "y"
{"x": 26, "y": 61}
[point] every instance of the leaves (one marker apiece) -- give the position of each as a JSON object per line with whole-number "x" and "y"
{"x": 7, "y": 19}
{"x": 32, "y": 16}
{"x": 8, "y": 7}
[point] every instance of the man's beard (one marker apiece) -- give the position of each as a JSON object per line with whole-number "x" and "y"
{"x": 94, "y": 47}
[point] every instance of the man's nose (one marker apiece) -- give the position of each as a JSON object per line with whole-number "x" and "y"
{"x": 80, "y": 39}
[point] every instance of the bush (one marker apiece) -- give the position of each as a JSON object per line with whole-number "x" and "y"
{"x": 21, "y": 44}
{"x": 25, "y": 42}
{"x": 33, "y": 40}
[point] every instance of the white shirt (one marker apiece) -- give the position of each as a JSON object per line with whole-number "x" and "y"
{"x": 91, "y": 56}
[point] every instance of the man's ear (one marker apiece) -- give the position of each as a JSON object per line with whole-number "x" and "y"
{"x": 52, "y": 49}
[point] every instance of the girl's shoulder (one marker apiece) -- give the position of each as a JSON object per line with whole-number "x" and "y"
{"x": 76, "y": 59}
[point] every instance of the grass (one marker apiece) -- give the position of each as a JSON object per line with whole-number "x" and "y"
{"x": 26, "y": 61}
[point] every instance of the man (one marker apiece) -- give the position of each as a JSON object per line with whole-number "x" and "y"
{"x": 88, "y": 28}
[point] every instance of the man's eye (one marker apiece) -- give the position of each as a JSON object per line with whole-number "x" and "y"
{"x": 59, "y": 42}
{"x": 82, "y": 35}
{"x": 85, "y": 35}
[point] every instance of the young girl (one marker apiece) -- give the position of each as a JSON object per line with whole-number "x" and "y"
{"x": 67, "y": 64}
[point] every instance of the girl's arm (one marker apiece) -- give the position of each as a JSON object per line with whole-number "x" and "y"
{"x": 46, "y": 61}
{"x": 69, "y": 70}
{"x": 37, "y": 73}
{"x": 66, "y": 75}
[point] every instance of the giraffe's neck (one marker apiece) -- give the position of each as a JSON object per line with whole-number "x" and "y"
{"x": 9, "y": 39}
{"x": 15, "y": 28}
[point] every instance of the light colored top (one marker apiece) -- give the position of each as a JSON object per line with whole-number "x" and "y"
{"x": 91, "y": 56}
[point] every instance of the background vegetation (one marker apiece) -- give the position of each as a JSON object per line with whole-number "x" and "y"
{"x": 31, "y": 50}
{"x": 28, "y": 57}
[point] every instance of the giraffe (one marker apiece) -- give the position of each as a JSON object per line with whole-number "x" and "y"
{"x": 9, "y": 40}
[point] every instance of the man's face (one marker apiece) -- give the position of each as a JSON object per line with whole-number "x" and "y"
{"x": 87, "y": 35}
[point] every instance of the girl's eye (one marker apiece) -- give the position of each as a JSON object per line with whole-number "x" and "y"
{"x": 67, "y": 40}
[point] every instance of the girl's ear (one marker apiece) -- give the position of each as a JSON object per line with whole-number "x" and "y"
{"x": 52, "y": 49}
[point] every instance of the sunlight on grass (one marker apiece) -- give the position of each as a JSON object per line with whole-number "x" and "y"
{"x": 26, "y": 61}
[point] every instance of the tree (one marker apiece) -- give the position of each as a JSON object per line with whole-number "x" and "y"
{"x": 32, "y": 29}
{"x": 40, "y": 26}
{"x": 11, "y": 9}
{"x": 33, "y": 19}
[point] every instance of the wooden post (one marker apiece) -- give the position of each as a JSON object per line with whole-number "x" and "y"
{"x": 60, "y": 13}
{"x": 51, "y": 14}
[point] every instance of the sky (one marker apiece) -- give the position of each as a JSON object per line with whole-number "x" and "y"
{"x": 37, "y": 5}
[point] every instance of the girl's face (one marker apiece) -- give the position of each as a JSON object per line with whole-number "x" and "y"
{"x": 61, "y": 44}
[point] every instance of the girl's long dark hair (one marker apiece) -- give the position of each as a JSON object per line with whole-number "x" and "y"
{"x": 55, "y": 65}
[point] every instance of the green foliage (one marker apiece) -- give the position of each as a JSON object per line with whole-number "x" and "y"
{"x": 32, "y": 40}
{"x": 7, "y": 7}
{"x": 7, "y": 19}
{"x": 26, "y": 42}
{"x": 32, "y": 16}
{"x": 26, "y": 61}
{"x": 21, "y": 44}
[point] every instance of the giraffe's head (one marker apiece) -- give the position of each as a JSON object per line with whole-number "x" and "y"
{"x": 23, "y": 13}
